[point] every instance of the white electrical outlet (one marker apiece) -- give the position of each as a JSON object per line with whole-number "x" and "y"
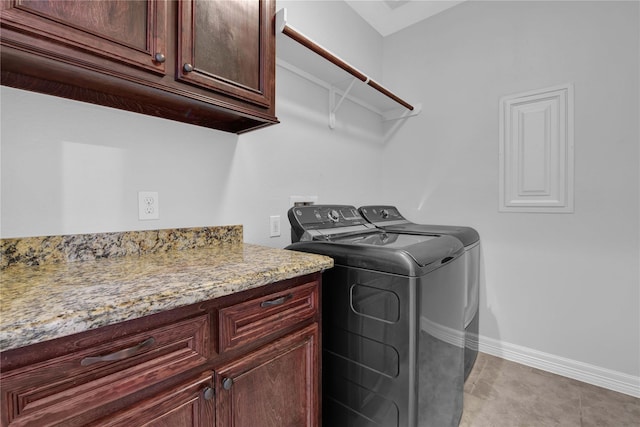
{"x": 274, "y": 225}
{"x": 148, "y": 207}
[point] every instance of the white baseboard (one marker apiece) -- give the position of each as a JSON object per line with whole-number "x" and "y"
{"x": 444, "y": 333}
{"x": 591, "y": 374}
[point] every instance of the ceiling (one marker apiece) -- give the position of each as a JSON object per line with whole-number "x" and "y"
{"x": 389, "y": 16}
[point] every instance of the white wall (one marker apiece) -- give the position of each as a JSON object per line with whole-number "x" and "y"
{"x": 565, "y": 285}
{"x": 302, "y": 155}
{"x": 71, "y": 167}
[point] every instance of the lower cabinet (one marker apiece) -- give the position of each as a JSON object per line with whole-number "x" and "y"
{"x": 173, "y": 369}
{"x": 190, "y": 404}
{"x": 284, "y": 372}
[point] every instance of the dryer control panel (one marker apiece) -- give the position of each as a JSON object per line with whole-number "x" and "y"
{"x": 381, "y": 214}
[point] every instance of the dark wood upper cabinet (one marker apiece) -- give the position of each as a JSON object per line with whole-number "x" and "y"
{"x": 132, "y": 32}
{"x": 205, "y": 62}
{"x": 224, "y": 46}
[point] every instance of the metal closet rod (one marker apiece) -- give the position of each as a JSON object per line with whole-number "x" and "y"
{"x": 303, "y": 40}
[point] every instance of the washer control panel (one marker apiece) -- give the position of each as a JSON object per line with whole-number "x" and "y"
{"x": 327, "y": 216}
{"x": 334, "y": 215}
{"x": 325, "y": 220}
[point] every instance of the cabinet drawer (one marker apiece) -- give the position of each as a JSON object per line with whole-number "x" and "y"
{"x": 79, "y": 387}
{"x": 250, "y": 320}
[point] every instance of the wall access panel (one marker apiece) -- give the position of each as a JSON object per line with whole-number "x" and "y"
{"x": 536, "y": 151}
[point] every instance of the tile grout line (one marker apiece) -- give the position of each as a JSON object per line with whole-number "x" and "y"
{"x": 580, "y": 406}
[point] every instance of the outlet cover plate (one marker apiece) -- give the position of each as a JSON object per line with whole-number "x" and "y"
{"x": 148, "y": 206}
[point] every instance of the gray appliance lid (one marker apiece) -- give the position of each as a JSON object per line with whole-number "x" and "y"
{"x": 389, "y": 219}
{"x": 401, "y": 257}
{"x": 340, "y": 232}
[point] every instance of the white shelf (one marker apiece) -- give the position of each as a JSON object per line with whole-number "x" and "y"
{"x": 320, "y": 67}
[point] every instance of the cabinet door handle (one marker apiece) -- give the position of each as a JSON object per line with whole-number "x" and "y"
{"x": 227, "y": 383}
{"x": 277, "y": 301}
{"x": 159, "y": 57}
{"x": 208, "y": 393}
{"x": 118, "y": 355}
{"x": 187, "y": 68}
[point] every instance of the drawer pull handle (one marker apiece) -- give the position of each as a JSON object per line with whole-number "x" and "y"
{"x": 118, "y": 355}
{"x": 277, "y": 301}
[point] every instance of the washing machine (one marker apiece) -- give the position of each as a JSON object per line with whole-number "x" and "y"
{"x": 381, "y": 363}
{"x": 389, "y": 218}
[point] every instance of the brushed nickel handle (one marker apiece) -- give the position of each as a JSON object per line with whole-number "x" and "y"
{"x": 277, "y": 301}
{"x": 187, "y": 68}
{"x": 118, "y": 355}
{"x": 159, "y": 57}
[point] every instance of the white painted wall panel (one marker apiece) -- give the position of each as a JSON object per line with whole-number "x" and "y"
{"x": 536, "y": 151}
{"x": 534, "y": 160}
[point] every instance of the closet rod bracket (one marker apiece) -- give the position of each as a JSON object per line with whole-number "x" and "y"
{"x": 333, "y": 106}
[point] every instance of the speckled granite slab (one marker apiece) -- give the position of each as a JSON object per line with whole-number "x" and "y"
{"x": 83, "y": 247}
{"x": 55, "y": 299}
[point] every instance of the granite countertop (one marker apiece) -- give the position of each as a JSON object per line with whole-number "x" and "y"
{"x": 41, "y": 300}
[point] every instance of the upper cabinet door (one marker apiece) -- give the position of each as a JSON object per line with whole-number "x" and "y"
{"x": 228, "y": 46}
{"x": 130, "y": 32}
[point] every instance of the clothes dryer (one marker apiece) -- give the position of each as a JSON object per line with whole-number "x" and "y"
{"x": 388, "y": 218}
{"x": 381, "y": 365}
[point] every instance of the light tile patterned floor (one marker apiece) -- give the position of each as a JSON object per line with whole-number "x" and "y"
{"x": 500, "y": 393}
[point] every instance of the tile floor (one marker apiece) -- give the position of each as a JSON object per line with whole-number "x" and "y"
{"x": 500, "y": 393}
